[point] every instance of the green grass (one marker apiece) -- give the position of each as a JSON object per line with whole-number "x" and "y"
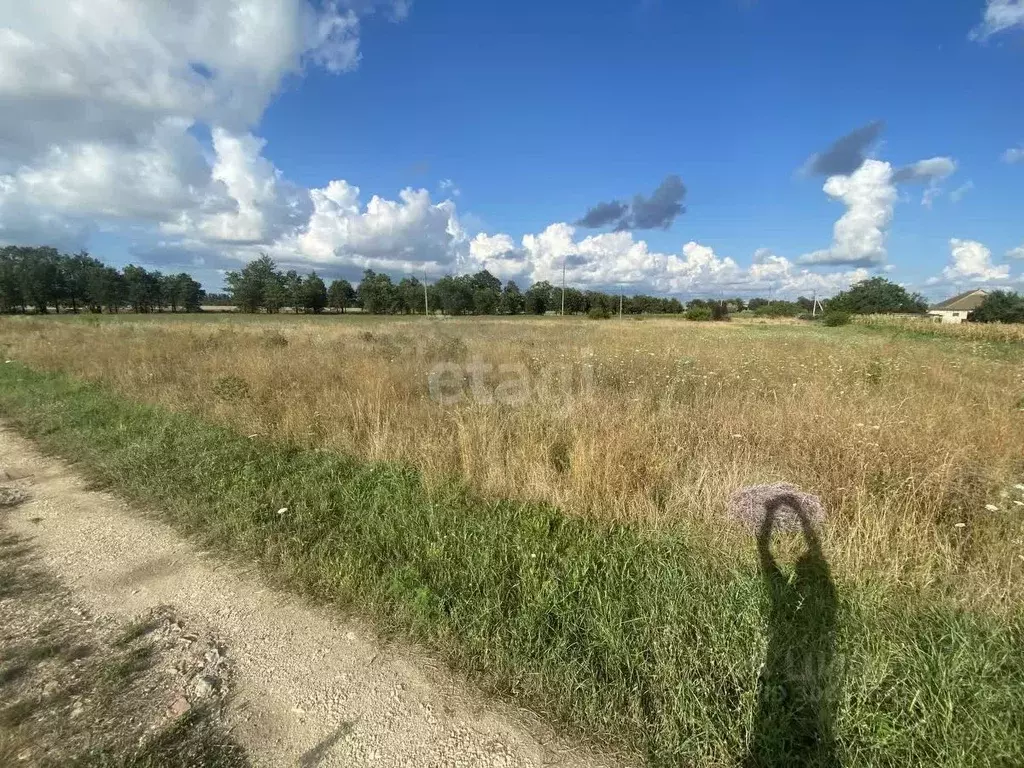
{"x": 641, "y": 639}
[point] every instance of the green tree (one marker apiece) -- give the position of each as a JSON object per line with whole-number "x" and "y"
{"x": 778, "y": 309}
{"x": 144, "y": 289}
{"x": 12, "y": 297}
{"x": 292, "y": 282}
{"x": 485, "y": 301}
{"x": 877, "y": 296}
{"x": 1000, "y": 307}
{"x": 341, "y": 295}
{"x": 249, "y": 287}
{"x": 313, "y": 294}
{"x": 377, "y": 293}
{"x": 512, "y": 301}
{"x": 39, "y": 270}
{"x": 106, "y": 288}
{"x": 185, "y": 293}
{"x": 409, "y": 294}
{"x": 537, "y": 300}
{"x": 455, "y": 294}
{"x": 276, "y": 295}
{"x": 75, "y": 272}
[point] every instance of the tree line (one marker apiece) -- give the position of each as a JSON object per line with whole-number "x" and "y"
{"x": 42, "y": 278}
{"x": 261, "y": 286}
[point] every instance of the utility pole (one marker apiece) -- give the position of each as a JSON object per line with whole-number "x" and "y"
{"x": 426, "y": 301}
{"x": 620, "y": 303}
{"x": 563, "y": 286}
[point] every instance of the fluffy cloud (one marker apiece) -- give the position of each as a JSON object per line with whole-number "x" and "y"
{"x": 107, "y": 96}
{"x": 847, "y": 154}
{"x": 498, "y": 254}
{"x": 159, "y": 172}
{"x": 247, "y": 201}
{"x": 1014, "y": 155}
{"x": 970, "y": 260}
{"x": 616, "y": 259}
{"x": 1016, "y": 253}
{"x": 869, "y": 194}
{"x": 411, "y": 234}
{"x": 1000, "y": 15}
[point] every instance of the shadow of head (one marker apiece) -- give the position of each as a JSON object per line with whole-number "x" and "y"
{"x": 792, "y": 503}
{"x": 798, "y": 687}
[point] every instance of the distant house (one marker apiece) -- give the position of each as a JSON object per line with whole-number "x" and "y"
{"x": 956, "y": 309}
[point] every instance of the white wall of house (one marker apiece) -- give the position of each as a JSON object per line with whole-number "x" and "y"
{"x": 950, "y": 316}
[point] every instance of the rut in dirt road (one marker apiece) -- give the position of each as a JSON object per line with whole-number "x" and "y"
{"x": 309, "y": 688}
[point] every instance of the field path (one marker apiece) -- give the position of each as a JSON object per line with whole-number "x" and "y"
{"x": 308, "y": 687}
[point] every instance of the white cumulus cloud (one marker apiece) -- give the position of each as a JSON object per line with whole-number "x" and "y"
{"x": 869, "y": 194}
{"x": 102, "y": 101}
{"x": 971, "y": 261}
{"x": 616, "y": 259}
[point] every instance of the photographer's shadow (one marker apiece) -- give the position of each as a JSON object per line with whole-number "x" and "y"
{"x": 798, "y": 687}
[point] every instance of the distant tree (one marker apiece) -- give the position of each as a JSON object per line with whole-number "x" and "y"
{"x": 250, "y": 286}
{"x": 40, "y": 278}
{"x": 778, "y": 309}
{"x": 485, "y": 301}
{"x": 1000, "y": 307}
{"x": 12, "y": 297}
{"x": 184, "y": 293}
{"x": 105, "y": 289}
{"x": 537, "y": 300}
{"x": 484, "y": 280}
{"x": 313, "y": 294}
{"x": 341, "y": 295}
{"x": 276, "y": 295}
{"x": 511, "y": 302}
{"x": 877, "y": 296}
{"x": 292, "y": 282}
{"x": 75, "y": 272}
{"x": 377, "y": 293}
{"x": 144, "y": 289}
{"x": 410, "y": 295}
{"x": 754, "y": 303}
{"x": 455, "y": 294}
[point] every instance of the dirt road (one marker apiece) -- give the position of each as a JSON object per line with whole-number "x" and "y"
{"x": 308, "y": 687}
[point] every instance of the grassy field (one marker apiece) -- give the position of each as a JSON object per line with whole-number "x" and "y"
{"x": 554, "y": 524}
{"x": 651, "y": 422}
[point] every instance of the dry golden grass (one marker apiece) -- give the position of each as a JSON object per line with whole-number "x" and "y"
{"x": 905, "y": 438}
{"x": 997, "y": 332}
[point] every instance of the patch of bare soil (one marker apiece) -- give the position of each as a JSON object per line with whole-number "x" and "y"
{"x": 78, "y": 689}
{"x": 217, "y": 652}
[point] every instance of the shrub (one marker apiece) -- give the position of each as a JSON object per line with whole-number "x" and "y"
{"x": 599, "y": 313}
{"x": 835, "y": 318}
{"x": 698, "y": 313}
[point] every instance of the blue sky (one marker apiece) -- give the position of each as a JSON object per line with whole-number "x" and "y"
{"x": 514, "y": 119}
